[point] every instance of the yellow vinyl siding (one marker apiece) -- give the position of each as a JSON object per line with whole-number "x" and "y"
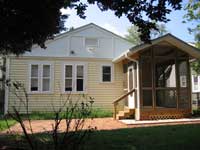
{"x": 104, "y": 93}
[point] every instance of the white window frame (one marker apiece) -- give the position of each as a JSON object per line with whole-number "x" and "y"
{"x": 40, "y": 77}
{"x": 74, "y": 77}
{"x": 198, "y": 83}
{"x": 68, "y": 78}
{"x": 112, "y": 72}
{"x": 30, "y": 77}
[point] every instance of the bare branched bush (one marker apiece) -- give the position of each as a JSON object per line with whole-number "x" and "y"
{"x": 72, "y": 112}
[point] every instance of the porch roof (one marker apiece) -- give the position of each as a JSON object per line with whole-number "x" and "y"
{"x": 169, "y": 38}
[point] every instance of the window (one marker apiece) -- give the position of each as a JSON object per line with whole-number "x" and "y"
{"x": 195, "y": 83}
{"x": 40, "y": 77}
{"x": 79, "y": 77}
{"x": 106, "y": 73}
{"x": 74, "y": 78}
{"x": 68, "y": 78}
{"x": 46, "y": 77}
{"x": 34, "y": 78}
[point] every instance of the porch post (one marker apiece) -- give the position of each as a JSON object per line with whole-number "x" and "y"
{"x": 138, "y": 93}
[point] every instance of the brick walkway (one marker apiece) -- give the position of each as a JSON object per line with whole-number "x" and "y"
{"x": 98, "y": 123}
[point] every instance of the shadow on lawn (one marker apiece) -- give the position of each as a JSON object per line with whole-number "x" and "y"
{"x": 180, "y": 137}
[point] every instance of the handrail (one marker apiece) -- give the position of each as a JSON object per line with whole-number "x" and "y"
{"x": 123, "y": 96}
{"x": 119, "y": 99}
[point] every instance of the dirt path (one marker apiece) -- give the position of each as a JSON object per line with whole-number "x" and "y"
{"x": 98, "y": 123}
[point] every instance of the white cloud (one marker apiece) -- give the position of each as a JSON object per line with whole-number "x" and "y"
{"x": 113, "y": 29}
{"x": 66, "y": 11}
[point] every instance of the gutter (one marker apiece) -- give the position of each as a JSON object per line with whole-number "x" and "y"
{"x": 129, "y": 58}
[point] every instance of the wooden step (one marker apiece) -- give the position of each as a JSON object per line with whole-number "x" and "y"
{"x": 126, "y": 113}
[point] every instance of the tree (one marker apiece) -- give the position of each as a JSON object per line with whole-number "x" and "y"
{"x": 134, "y": 36}
{"x": 193, "y": 15}
{"x": 27, "y": 22}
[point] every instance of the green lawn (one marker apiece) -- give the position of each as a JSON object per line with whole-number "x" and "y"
{"x": 4, "y": 125}
{"x": 182, "y": 137}
{"x": 185, "y": 137}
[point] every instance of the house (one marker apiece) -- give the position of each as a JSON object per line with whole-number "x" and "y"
{"x": 195, "y": 90}
{"x": 148, "y": 81}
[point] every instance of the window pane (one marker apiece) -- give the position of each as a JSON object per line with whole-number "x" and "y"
{"x": 34, "y": 84}
{"x": 68, "y": 71}
{"x": 79, "y": 84}
{"x": 34, "y": 70}
{"x": 79, "y": 71}
{"x": 147, "y": 97}
{"x": 46, "y": 85}
{"x": 146, "y": 72}
{"x": 106, "y": 77}
{"x": 165, "y": 72}
{"x": 184, "y": 98}
{"x": 166, "y": 98}
{"x": 106, "y": 69}
{"x": 46, "y": 70}
{"x": 195, "y": 82}
{"x": 68, "y": 84}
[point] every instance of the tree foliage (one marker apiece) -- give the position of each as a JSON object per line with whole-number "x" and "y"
{"x": 134, "y": 36}
{"x": 193, "y": 15}
{"x": 27, "y": 22}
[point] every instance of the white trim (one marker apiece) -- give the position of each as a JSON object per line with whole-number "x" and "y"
{"x": 40, "y": 77}
{"x": 6, "y": 87}
{"x": 198, "y": 84}
{"x": 74, "y": 78}
{"x": 112, "y": 72}
{"x": 138, "y": 91}
{"x": 131, "y": 96}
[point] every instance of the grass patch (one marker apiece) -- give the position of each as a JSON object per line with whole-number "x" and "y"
{"x": 184, "y": 137}
{"x": 4, "y": 125}
{"x": 181, "y": 137}
{"x": 96, "y": 113}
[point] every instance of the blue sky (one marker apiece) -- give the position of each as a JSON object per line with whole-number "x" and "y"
{"x": 119, "y": 26}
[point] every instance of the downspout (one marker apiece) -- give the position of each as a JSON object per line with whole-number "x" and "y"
{"x": 7, "y": 74}
{"x": 137, "y": 117}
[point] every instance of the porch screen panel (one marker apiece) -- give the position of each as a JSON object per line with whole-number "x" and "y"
{"x": 184, "y": 90}
{"x": 146, "y": 69}
{"x": 165, "y": 72}
{"x": 165, "y": 80}
{"x": 146, "y": 72}
{"x": 166, "y": 98}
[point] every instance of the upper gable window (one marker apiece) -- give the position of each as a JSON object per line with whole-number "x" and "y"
{"x": 91, "y": 42}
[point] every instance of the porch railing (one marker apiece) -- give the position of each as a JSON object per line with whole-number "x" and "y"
{"x": 118, "y": 100}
